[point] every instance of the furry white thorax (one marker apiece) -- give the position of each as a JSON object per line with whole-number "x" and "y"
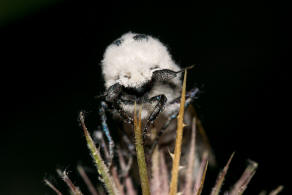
{"x": 131, "y": 64}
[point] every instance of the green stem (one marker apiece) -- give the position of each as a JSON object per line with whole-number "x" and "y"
{"x": 101, "y": 167}
{"x": 140, "y": 154}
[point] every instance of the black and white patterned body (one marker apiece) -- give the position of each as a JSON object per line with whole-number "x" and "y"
{"x": 139, "y": 68}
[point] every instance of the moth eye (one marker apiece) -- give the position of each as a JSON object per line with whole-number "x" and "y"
{"x": 140, "y": 37}
{"x": 118, "y": 42}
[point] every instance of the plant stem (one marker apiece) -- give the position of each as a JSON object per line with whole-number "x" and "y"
{"x": 101, "y": 167}
{"x": 52, "y": 187}
{"x": 86, "y": 180}
{"x": 221, "y": 177}
{"x": 178, "y": 142}
{"x": 140, "y": 154}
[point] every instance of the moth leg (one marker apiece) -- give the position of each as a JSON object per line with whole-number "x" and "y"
{"x": 105, "y": 129}
{"x": 167, "y": 74}
{"x": 113, "y": 92}
{"x": 124, "y": 115}
{"x": 159, "y": 107}
{"x": 112, "y": 96}
{"x": 190, "y": 96}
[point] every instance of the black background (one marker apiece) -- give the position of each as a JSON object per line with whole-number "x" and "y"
{"x": 50, "y": 71}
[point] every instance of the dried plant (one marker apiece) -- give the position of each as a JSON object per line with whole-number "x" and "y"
{"x": 118, "y": 180}
{"x": 178, "y": 141}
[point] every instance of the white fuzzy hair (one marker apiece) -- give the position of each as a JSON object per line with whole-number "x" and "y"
{"x": 131, "y": 64}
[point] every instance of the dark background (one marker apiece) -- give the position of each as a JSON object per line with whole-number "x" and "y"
{"x": 50, "y": 54}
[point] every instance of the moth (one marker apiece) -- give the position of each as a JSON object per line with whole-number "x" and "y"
{"x": 138, "y": 69}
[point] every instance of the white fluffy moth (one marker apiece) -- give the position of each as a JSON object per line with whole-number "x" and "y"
{"x": 139, "y": 69}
